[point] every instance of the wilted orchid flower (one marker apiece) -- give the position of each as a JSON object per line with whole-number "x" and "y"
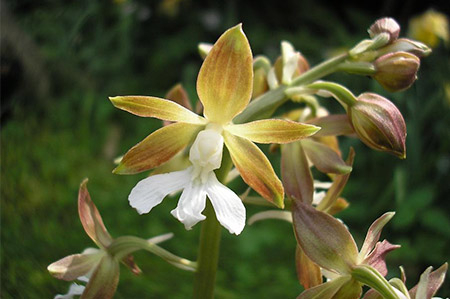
{"x": 224, "y": 87}
{"x": 328, "y": 243}
{"x": 100, "y": 267}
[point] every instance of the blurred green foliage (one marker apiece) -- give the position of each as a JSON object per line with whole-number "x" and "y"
{"x": 96, "y": 49}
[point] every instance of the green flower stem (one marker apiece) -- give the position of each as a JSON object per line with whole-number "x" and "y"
{"x": 341, "y": 93}
{"x": 371, "y": 277}
{"x": 266, "y": 104}
{"x": 358, "y": 68}
{"x": 210, "y": 235}
{"x": 125, "y": 245}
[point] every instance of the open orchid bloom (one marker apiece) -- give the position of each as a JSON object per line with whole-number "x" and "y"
{"x": 328, "y": 243}
{"x": 428, "y": 285}
{"x": 224, "y": 87}
{"x": 99, "y": 267}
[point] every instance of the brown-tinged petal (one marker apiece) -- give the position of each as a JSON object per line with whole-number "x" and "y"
{"x": 225, "y": 80}
{"x": 332, "y": 125}
{"x": 272, "y": 131}
{"x": 157, "y": 148}
{"x": 308, "y": 273}
{"x": 373, "y": 234}
{"x": 255, "y": 168}
{"x": 156, "y": 107}
{"x": 178, "y": 95}
{"x": 73, "y": 266}
{"x": 324, "y": 158}
{"x": 377, "y": 257}
{"x": 338, "y": 186}
{"x": 435, "y": 280}
{"x": 91, "y": 218}
{"x": 339, "y": 205}
{"x": 324, "y": 239}
{"x": 103, "y": 282}
{"x": 325, "y": 290}
{"x": 295, "y": 173}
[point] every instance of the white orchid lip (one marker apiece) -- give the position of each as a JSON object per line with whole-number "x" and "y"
{"x": 197, "y": 182}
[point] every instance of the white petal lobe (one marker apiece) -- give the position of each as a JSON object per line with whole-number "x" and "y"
{"x": 191, "y": 204}
{"x": 150, "y": 192}
{"x": 230, "y": 211}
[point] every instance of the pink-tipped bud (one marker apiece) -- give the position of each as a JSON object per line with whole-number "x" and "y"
{"x": 396, "y": 71}
{"x": 385, "y": 25}
{"x": 379, "y": 124}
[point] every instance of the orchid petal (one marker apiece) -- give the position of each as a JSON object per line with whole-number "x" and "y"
{"x": 308, "y": 273}
{"x": 338, "y": 186}
{"x": 178, "y": 95}
{"x": 350, "y": 290}
{"x": 255, "y": 168}
{"x": 91, "y": 218}
{"x": 324, "y": 158}
{"x": 325, "y": 290}
{"x": 435, "y": 280}
{"x": 229, "y": 209}
{"x": 325, "y": 240}
{"x": 225, "y": 80}
{"x": 158, "y": 108}
{"x": 333, "y": 125}
{"x": 157, "y": 148}
{"x": 191, "y": 204}
{"x": 373, "y": 234}
{"x": 272, "y": 131}
{"x": 74, "y": 290}
{"x": 73, "y": 266}
{"x": 150, "y": 192}
{"x": 377, "y": 257}
{"x": 103, "y": 282}
{"x": 296, "y": 174}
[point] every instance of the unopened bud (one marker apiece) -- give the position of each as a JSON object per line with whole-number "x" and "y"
{"x": 396, "y": 71}
{"x": 379, "y": 124}
{"x": 385, "y": 25}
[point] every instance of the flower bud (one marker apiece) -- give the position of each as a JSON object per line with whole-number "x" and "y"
{"x": 396, "y": 71}
{"x": 406, "y": 45}
{"x": 379, "y": 124}
{"x": 385, "y": 25}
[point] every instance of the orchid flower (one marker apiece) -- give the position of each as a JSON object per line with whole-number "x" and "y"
{"x": 328, "y": 243}
{"x": 100, "y": 267}
{"x": 224, "y": 87}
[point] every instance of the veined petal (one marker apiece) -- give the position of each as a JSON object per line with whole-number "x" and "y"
{"x": 377, "y": 257}
{"x": 91, "y": 219}
{"x": 103, "y": 282}
{"x": 325, "y": 240}
{"x": 157, "y": 148}
{"x": 178, "y": 95}
{"x": 73, "y": 266}
{"x": 324, "y": 158}
{"x": 191, "y": 204}
{"x": 308, "y": 273}
{"x": 296, "y": 174}
{"x": 150, "y": 192}
{"x": 434, "y": 280}
{"x": 158, "y": 108}
{"x": 373, "y": 234}
{"x": 225, "y": 80}
{"x": 272, "y": 130}
{"x": 333, "y": 125}
{"x": 255, "y": 168}
{"x": 229, "y": 209}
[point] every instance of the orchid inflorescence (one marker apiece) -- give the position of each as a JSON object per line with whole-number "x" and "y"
{"x": 195, "y": 153}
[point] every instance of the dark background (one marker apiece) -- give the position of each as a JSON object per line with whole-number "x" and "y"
{"x": 60, "y": 60}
